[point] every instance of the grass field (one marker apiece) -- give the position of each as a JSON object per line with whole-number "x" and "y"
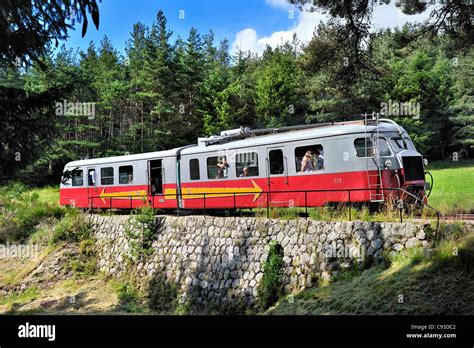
{"x": 48, "y": 194}
{"x": 453, "y": 189}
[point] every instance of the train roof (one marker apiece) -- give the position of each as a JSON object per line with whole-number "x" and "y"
{"x": 306, "y": 134}
{"x": 269, "y": 139}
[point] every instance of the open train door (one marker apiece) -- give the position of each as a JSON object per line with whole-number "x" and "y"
{"x": 155, "y": 178}
{"x": 277, "y": 173}
{"x": 92, "y": 191}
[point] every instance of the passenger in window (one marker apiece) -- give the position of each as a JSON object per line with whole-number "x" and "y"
{"x": 129, "y": 178}
{"x": 92, "y": 177}
{"x": 220, "y": 173}
{"x": 307, "y": 164}
{"x": 319, "y": 160}
{"x": 223, "y": 166}
{"x": 245, "y": 172}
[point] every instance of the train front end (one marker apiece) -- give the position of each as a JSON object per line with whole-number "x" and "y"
{"x": 407, "y": 167}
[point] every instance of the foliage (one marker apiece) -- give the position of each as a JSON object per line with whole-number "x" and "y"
{"x": 128, "y": 295}
{"x": 23, "y": 212}
{"x": 72, "y": 228}
{"x": 166, "y": 91}
{"x": 270, "y": 288}
{"x": 162, "y": 295}
{"x": 85, "y": 263}
{"x": 41, "y": 22}
{"x": 142, "y": 231}
{"x": 435, "y": 282}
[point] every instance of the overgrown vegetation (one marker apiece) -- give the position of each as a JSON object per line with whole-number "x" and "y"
{"x": 15, "y": 299}
{"x": 84, "y": 263}
{"x": 270, "y": 288}
{"x": 415, "y": 281}
{"x": 72, "y": 228}
{"x": 128, "y": 296}
{"x": 162, "y": 295}
{"x": 23, "y": 212}
{"x": 142, "y": 232}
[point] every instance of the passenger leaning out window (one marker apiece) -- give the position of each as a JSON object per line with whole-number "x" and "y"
{"x": 307, "y": 164}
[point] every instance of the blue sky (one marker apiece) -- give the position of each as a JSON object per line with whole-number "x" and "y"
{"x": 248, "y": 24}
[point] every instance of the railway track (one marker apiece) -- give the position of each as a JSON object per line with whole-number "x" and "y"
{"x": 469, "y": 217}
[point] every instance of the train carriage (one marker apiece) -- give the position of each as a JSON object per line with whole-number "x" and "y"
{"x": 309, "y": 165}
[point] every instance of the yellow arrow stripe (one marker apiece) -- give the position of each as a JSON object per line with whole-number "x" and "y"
{"x": 214, "y": 192}
{"x": 138, "y": 194}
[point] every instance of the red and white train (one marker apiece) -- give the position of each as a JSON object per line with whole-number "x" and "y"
{"x": 348, "y": 161}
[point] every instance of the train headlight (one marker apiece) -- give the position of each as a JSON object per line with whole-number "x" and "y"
{"x": 425, "y": 162}
{"x": 388, "y": 163}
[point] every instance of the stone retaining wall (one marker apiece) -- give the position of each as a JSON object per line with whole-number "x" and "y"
{"x": 213, "y": 260}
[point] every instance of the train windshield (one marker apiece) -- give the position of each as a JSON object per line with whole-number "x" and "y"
{"x": 399, "y": 144}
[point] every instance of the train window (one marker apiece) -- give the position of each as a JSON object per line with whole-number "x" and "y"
{"x": 91, "y": 177}
{"x": 409, "y": 143}
{"x": 361, "y": 149}
{"x": 276, "y": 162}
{"x": 107, "y": 176}
{"x": 246, "y": 164}
{"x": 194, "y": 169}
{"x": 125, "y": 175}
{"x": 399, "y": 144}
{"x": 309, "y": 158}
{"x": 217, "y": 167}
{"x": 77, "y": 178}
{"x": 384, "y": 150}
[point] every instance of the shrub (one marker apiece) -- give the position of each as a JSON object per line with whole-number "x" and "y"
{"x": 72, "y": 228}
{"x": 142, "y": 231}
{"x": 270, "y": 288}
{"x": 85, "y": 263}
{"x": 128, "y": 296}
{"x": 23, "y": 213}
{"x": 162, "y": 295}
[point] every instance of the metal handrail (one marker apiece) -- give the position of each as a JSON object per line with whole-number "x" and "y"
{"x": 208, "y": 195}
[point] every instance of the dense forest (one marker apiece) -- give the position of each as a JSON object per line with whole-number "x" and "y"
{"x": 166, "y": 91}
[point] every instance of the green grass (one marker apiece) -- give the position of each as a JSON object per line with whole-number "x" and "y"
{"x": 411, "y": 282}
{"x": 15, "y": 299}
{"x": 48, "y": 194}
{"x": 453, "y": 189}
{"x": 25, "y": 210}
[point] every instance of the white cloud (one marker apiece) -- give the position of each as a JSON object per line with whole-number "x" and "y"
{"x": 279, "y": 3}
{"x": 386, "y": 16}
{"x": 248, "y": 39}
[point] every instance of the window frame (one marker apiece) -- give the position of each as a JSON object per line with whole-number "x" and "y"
{"x": 282, "y": 162}
{"x": 81, "y": 176}
{"x": 102, "y": 177}
{"x": 388, "y": 147}
{"x": 366, "y": 152}
{"x": 90, "y": 183}
{"x": 191, "y": 177}
{"x": 218, "y": 159}
{"x": 119, "y": 178}
{"x": 307, "y": 147}
{"x": 250, "y": 154}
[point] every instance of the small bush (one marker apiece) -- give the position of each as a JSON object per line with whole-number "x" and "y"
{"x": 73, "y": 228}
{"x": 23, "y": 212}
{"x": 162, "y": 295}
{"x": 270, "y": 288}
{"x": 451, "y": 231}
{"x": 128, "y": 296}
{"x": 142, "y": 232}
